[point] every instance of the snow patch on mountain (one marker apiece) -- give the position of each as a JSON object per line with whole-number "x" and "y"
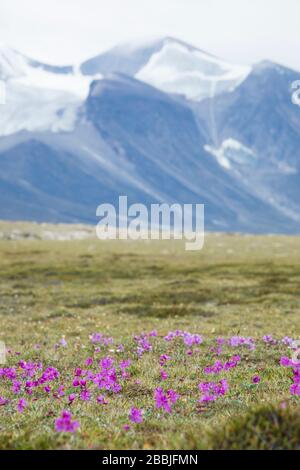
{"x": 231, "y": 152}
{"x": 12, "y": 63}
{"x": 39, "y": 97}
{"x": 179, "y": 68}
{"x": 36, "y": 109}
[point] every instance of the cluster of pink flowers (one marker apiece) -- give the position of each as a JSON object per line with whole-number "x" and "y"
{"x": 65, "y": 423}
{"x": 189, "y": 339}
{"x": 143, "y": 344}
{"x": 9, "y": 373}
{"x": 22, "y": 404}
{"x": 212, "y": 390}
{"x": 236, "y": 341}
{"x": 256, "y": 379}
{"x": 219, "y": 367}
{"x": 268, "y": 339}
{"x": 31, "y": 377}
{"x": 98, "y": 338}
{"x": 219, "y": 348}
{"x": 287, "y": 362}
{"x": 166, "y": 399}
{"x": 163, "y": 360}
{"x": 295, "y": 387}
{"x": 98, "y": 378}
{"x": 136, "y": 415}
{"x": 106, "y": 378}
{"x": 287, "y": 341}
{"x": 3, "y": 401}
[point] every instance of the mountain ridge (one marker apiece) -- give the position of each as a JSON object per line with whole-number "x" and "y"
{"x": 128, "y": 135}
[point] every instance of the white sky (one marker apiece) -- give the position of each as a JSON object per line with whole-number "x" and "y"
{"x": 69, "y": 31}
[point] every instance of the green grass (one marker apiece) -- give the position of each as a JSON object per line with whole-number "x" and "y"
{"x": 237, "y": 285}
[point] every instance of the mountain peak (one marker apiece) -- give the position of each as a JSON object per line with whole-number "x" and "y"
{"x": 266, "y": 68}
{"x": 171, "y": 65}
{"x": 175, "y": 41}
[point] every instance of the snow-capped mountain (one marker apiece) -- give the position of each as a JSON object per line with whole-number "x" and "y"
{"x": 157, "y": 121}
{"x": 171, "y": 66}
{"x": 255, "y": 131}
{"x": 39, "y": 97}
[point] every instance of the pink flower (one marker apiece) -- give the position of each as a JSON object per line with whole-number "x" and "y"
{"x": 218, "y": 367}
{"x": 3, "y": 401}
{"x": 106, "y": 363}
{"x": 212, "y": 390}
{"x": 295, "y": 389}
{"x": 60, "y": 391}
{"x": 236, "y": 341}
{"x": 65, "y": 423}
{"x": 286, "y": 361}
{"x": 143, "y": 344}
{"x": 85, "y": 395}
{"x": 78, "y": 372}
{"x": 164, "y": 358}
{"x": 153, "y": 333}
{"x": 101, "y": 400}
{"x": 172, "y": 396}
{"x": 163, "y": 374}
{"x": 268, "y": 339}
{"x": 165, "y": 400}
{"x": 89, "y": 361}
{"x": 16, "y": 388}
{"x": 72, "y": 397}
{"x": 96, "y": 338}
{"x": 161, "y": 400}
{"x": 22, "y": 404}
{"x": 190, "y": 339}
{"x": 124, "y": 365}
{"x": 287, "y": 341}
{"x": 256, "y": 379}
{"x": 232, "y": 363}
{"x": 136, "y": 415}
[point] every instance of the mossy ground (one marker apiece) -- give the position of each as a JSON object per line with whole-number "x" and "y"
{"x": 237, "y": 285}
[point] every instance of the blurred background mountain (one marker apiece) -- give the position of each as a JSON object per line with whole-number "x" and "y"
{"x": 159, "y": 121}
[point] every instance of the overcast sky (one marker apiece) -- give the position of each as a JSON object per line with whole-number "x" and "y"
{"x": 69, "y": 31}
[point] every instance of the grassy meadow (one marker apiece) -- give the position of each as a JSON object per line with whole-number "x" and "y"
{"x": 247, "y": 286}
